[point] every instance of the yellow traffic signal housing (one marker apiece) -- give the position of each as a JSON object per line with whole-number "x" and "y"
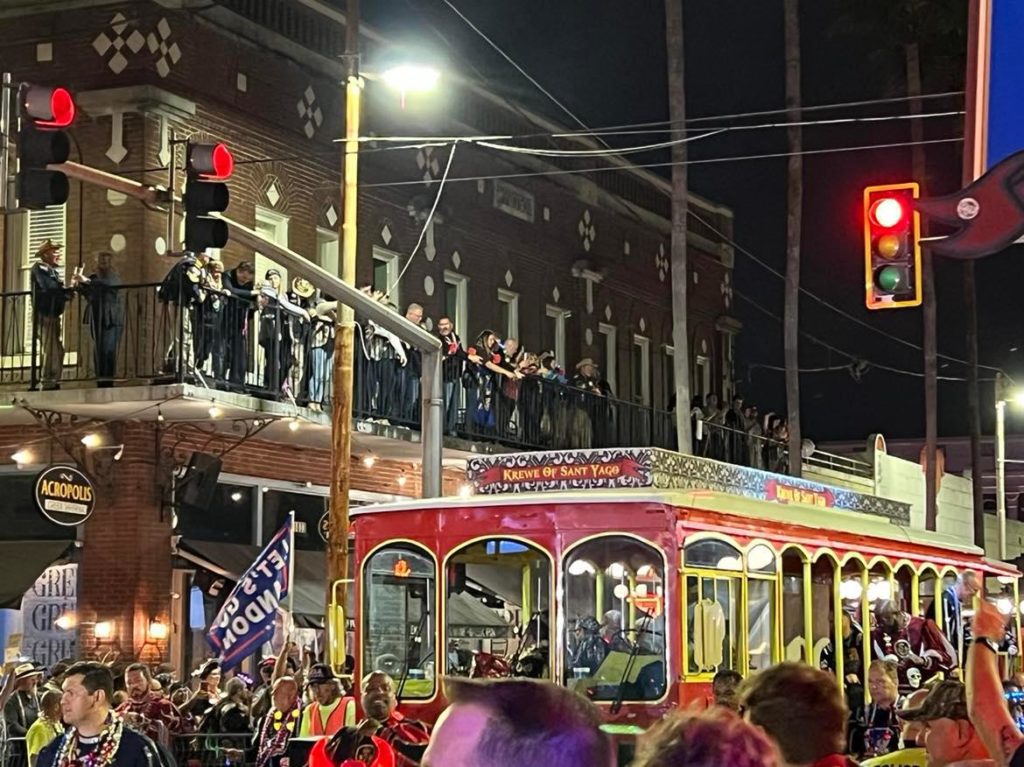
{"x": 892, "y": 246}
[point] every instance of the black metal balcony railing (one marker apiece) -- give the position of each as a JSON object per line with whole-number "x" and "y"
{"x": 132, "y": 335}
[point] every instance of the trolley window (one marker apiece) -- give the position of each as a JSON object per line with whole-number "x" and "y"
{"x": 497, "y": 610}
{"x": 399, "y": 586}
{"x": 713, "y": 554}
{"x": 615, "y": 619}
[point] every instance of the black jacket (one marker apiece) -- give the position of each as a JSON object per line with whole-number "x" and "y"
{"x": 135, "y": 750}
{"x": 106, "y": 308}
{"x": 48, "y": 292}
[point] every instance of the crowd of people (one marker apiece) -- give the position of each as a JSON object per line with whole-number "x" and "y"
{"x": 739, "y": 433}
{"x": 87, "y": 714}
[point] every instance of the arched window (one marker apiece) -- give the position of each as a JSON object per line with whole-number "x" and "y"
{"x": 713, "y": 581}
{"x": 498, "y": 609}
{"x": 615, "y": 619}
{"x": 399, "y": 633}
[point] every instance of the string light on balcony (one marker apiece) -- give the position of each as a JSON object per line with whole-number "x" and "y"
{"x": 402, "y": 479}
{"x": 293, "y": 425}
{"x": 369, "y": 460}
{"x": 22, "y": 457}
{"x": 92, "y": 439}
{"x": 215, "y": 411}
{"x": 160, "y": 415}
{"x": 465, "y": 491}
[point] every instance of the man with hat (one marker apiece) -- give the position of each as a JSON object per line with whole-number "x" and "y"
{"x": 948, "y": 734}
{"x": 48, "y": 299}
{"x": 591, "y": 419}
{"x": 275, "y": 336}
{"x": 22, "y": 709}
{"x": 330, "y": 711}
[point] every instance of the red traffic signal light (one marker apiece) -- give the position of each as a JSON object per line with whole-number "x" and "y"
{"x": 48, "y": 107}
{"x": 210, "y": 162}
{"x": 892, "y": 251}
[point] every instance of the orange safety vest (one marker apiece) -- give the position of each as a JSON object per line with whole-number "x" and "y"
{"x": 335, "y": 721}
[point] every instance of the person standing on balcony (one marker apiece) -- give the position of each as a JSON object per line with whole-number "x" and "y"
{"x": 104, "y": 315}
{"x": 453, "y": 367}
{"x": 321, "y": 352}
{"x": 49, "y": 297}
{"x": 181, "y": 291}
{"x": 276, "y": 331}
{"x": 408, "y": 397}
{"x": 302, "y": 295}
{"x": 240, "y": 284}
{"x": 212, "y": 313}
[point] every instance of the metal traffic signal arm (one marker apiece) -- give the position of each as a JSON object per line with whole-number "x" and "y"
{"x": 988, "y": 213}
{"x": 427, "y": 343}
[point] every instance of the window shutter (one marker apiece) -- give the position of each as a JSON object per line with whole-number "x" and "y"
{"x": 46, "y": 224}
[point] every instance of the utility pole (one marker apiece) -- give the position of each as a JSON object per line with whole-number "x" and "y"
{"x": 680, "y": 201}
{"x": 794, "y": 222}
{"x": 341, "y": 408}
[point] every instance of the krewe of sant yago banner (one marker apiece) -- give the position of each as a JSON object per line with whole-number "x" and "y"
{"x": 246, "y": 620}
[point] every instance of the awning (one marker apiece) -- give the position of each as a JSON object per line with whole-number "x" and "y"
{"x": 23, "y": 562}
{"x": 469, "y": 619}
{"x": 231, "y": 560}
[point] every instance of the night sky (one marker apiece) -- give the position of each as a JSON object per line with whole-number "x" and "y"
{"x": 606, "y": 61}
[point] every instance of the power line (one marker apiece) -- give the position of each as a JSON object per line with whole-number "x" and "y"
{"x": 518, "y": 68}
{"x": 706, "y": 161}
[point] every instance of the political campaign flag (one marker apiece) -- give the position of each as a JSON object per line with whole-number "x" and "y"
{"x": 246, "y": 620}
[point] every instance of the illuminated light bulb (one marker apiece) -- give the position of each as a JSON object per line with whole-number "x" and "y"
{"x": 1004, "y": 605}
{"x": 22, "y": 457}
{"x": 616, "y": 570}
{"x": 236, "y": 496}
{"x": 158, "y": 630}
{"x": 92, "y": 440}
{"x": 104, "y": 630}
{"x": 66, "y": 621}
{"x": 850, "y": 591}
{"x": 215, "y": 412}
{"x": 760, "y": 557}
{"x": 160, "y": 415}
{"x": 581, "y": 567}
{"x": 402, "y": 480}
{"x": 293, "y": 424}
{"x": 369, "y": 461}
{"x": 465, "y": 491}
{"x": 621, "y": 591}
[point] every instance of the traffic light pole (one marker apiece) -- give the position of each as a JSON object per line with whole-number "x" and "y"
{"x": 341, "y": 408}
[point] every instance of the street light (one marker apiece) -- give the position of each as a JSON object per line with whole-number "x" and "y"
{"x": 411, "y": 78}
{"x": 408, "y": 78}
{"x": 1003, "y": 395}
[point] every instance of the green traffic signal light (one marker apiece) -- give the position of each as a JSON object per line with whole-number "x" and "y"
{"x": 890, "y": 278}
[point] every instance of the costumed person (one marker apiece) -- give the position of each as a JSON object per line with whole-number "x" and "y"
{"x": 353, "y": 747}
{"x": 916, "y": 645}
{"x": 95, "y": 736}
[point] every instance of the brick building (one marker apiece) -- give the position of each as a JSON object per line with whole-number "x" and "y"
{"x": 560, "y": 253}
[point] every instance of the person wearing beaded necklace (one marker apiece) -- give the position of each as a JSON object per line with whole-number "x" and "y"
{"x": 95, "y": 737}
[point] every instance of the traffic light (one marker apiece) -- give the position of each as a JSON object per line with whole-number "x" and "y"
{"x": 43, "y": 113}
{"x": 892, "y": 249}
{"x": 208, "y": 166}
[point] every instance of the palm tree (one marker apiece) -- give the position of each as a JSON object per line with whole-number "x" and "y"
{"x": 677, "y": 114}
{"x": 794, "y": 218}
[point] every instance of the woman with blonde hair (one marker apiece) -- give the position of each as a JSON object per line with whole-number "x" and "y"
{"x": 717, "y": 737}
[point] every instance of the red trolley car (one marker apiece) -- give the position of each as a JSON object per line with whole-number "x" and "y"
{"x": 633, "y": 576}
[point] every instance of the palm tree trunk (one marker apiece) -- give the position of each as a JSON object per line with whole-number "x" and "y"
{"x": 794, "y": 202}
{"x": 677, "y": 114}
{"x": 931, "y": 366}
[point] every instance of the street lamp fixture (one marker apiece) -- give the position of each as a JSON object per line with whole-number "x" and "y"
{"x": 411, "y": 78}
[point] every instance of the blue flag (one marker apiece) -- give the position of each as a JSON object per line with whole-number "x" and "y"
{"x": 246, "y": 620}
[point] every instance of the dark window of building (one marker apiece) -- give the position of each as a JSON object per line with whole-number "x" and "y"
{"x": 229, "y": 518}
{"x": 308, "y": 511}
{"x": 22, "y": 518}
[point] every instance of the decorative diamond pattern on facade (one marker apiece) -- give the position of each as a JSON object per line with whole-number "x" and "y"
{"x": 587, "y": 230}
{"x": 428, "y": 324}
{"x": 44, "y": 52}
{"x": 385, "y": 234}
{"x": 118, "y": 243}
{"x": 428, "y": 285}
{"x": 331, "y": 215}
{"x": 273, "y": 194}
{"x": 508, "y": 278}
{"x": 167, "y": 51}
{"x": 117, "y": 151}
{"x": 117, "y": 199}
{"x": 456, "y": 260}
{"x": 643, "y": 325}
{"x": 661, "y": 263}
{"x": 427, "y": 162}
{"x": 625, "y": 248}
{"x": 547, "y": 213}
{"x": 113, "y": 44}
{"x": 726, "y": 288}
{"x": 481, "y": 186}
{"x": 242, "y": 82}
{"x": 589, "y": 336}
{"x": 608, "y": 313}
{"x": 555, "y": 295}
{"x": 309, "y": 112}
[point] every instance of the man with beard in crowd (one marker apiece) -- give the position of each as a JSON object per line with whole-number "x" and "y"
{"x": 407, "y": 737}
{"x": 915, "y": 645}
{"x": 147, "y": 710}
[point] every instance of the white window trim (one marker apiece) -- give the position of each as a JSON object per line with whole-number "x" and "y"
{"x": 461, "y": 283}
{"x": 643, "y": 343}
{"x": 512, "y": 299}
{"x": 559, "y": 315}
{"x": 611, "y": 353}
{"x": 393, "y": 262}
{"x": 324, "y": 237}
{"x": 279, "y": 224}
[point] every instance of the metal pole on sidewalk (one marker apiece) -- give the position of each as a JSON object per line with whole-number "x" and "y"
{"x": 341, "y": 407}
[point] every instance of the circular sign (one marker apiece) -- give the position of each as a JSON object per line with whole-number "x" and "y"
{"x": 65, "y": 495}
{"x": 324, "y": 526}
